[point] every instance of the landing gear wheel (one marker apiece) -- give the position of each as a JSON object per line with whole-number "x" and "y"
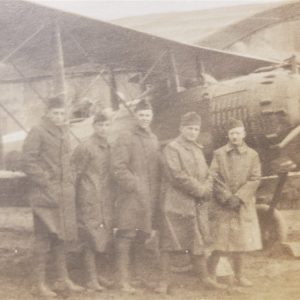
{"x": 180, "y": 263}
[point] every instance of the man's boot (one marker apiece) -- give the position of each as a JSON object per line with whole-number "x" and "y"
{"x": 104, "y": 263}
{"x": 138, "y": 263}
{"x": 64, "y": 283}
{"x": 163, "y": 285}
{"x": 200, "y": 264}
{"x": 123, "y": 246}
{"x": 105, "y": 282}
{"x": 237, "y": 260}
{"x": 41, "y": 289}
{"x": 90, "y": 267}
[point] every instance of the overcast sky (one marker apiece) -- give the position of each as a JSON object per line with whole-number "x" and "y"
{"x": 108, "y": 10}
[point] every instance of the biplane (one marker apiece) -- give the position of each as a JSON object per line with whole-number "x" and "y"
{"x": 177, "y": 77}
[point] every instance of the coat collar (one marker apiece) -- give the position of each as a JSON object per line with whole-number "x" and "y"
{"x": 99, "y": 141}
{"x": 142, "y": 132}
{"x": 188, "y": 145}
{"x": 241, "y": 149}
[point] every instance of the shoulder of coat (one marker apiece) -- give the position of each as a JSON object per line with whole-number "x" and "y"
{"x": 252, "y": 151}
{"x": 85, "y": 144}
{"x": 36, "y": 130}
{"x": 220, "y": 150}
{"x": 173, "y": 145}
{"x": 154, "y": 137}
{"x": 123, "y": 138}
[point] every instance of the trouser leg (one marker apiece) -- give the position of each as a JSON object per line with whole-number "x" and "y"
{"x": 58, "y": 249}
{"x": 104, "y": 264}
{"x": 164, "y": 273}
{"x": 237, "y": 261}
{"x": 89, "y": 259}
{"x": 39, "y": 262}
{"x": 165, "y": 266}
{"x": 39, "y": 259}
{"x": 63, "y": 280}
{"x": 123, "y": 247}
{"x": 200, "y": 263}
{"x": 139, "y": 261}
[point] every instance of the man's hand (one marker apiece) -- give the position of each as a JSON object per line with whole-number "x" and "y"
{"x": 234, "y": 202}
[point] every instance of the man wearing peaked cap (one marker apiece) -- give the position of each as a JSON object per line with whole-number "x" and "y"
{"x": 234, "y": 123}
{"x": 190, "y": 118}
{"x": 236, "y": 171}
{"x": 187, "y": 185}
{"x": 143, "y": 104}
{"x": 91, "y": 161}
{"x": 135, "y": 166}
{"x": 55, "y": 102}
{"x": 46, "y": 157}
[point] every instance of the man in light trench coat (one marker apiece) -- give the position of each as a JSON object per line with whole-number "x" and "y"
{"x": 46, "y": 158}
{"x": 236, "y": 170}
{"x": 136, "y": 170}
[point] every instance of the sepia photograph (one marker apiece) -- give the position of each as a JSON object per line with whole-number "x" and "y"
{"x": 150, "y": 149}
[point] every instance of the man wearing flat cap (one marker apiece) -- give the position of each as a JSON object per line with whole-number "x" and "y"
{"x": 236, "y": 171}
{"x": 91, "y": 161}
{"x": 135, "y": 167}
{"x": 186, "y": 190}
{"x": 46, "y": 158}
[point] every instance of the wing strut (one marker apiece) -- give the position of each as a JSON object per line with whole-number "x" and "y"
{"x": 174, "y": 75}
{"x": 18, "y": 48}
{"x": 151, "y": 69}
{"x": 111, "y": 82}
{"x": 113, "y": 88}
{"x": 58, "y": 69}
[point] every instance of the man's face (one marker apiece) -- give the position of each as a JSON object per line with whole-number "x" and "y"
{"x": 190, "y": 132}
{"x": 236, "y": 136}
{"x": 101, "y": 129}
{"x": 144, "y": 118}
{"x": 57, "y": 116}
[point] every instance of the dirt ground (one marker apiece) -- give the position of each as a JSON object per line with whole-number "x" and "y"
{"x": 275, "y": 274}
{"x": 274, "y": 277}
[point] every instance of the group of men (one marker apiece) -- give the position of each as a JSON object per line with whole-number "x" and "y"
{"x": 114, "y": 197}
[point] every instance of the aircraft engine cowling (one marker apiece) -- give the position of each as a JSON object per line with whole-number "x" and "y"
{"x": 268, "y": 104}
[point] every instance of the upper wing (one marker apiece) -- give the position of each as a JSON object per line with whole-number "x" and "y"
{"x": 238, "y": 31}
{"x": 26, "y": 39}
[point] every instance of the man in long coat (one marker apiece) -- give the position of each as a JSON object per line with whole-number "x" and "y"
{"x": 185, "y": 201}
{"x": 46, "y": 158}
{"x": 135, "y": 166}
{"x": 236, "y": 170}
{"x": 91, "y": 160}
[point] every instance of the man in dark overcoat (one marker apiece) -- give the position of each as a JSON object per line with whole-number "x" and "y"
{"x": 186, "y": 195}
{"x": 135, "y": 167}
{"x": 236, "y": 170}
{"x": 46, "y": 159}
{"x": 91, "y": 160}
